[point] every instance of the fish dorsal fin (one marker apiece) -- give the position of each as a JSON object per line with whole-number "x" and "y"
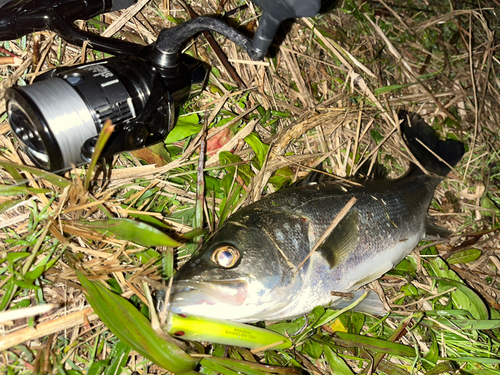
{"x": 342, "y": 240}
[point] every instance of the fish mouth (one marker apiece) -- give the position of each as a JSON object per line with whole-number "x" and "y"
{"x": 189, "y": 293}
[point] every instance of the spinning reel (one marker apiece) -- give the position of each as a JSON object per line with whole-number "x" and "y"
{"x": 59, "y": 117}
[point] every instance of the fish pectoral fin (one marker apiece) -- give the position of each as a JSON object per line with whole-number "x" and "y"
{"x": 341, "y": 241}
{"x": 371, "y": 304}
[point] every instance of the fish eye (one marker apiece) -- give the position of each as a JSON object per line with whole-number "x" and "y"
{"x": 225, "y": 256}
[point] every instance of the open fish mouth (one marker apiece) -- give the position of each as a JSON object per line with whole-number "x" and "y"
{"x": 192, "y": 293}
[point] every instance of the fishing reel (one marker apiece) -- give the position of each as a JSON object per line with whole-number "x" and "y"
{"x": 59, "y": 117}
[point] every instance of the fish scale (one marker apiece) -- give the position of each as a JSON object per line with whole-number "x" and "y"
{"x": 249, "y": 269}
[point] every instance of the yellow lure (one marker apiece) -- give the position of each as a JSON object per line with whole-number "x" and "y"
{"x": 196, "y": 328}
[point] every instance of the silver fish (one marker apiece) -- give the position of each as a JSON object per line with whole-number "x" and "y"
{"x": 249, "y": 270}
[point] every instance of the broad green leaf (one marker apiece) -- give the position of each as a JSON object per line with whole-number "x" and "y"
{"x": 410, "y": 290}
{"x": 9, "y": 190}
{"x": 244, "y": 170}
{"x": 441, "y": 368}
{"x": 357, "y": 322}
{"x": 438, "y": 267}
{"x": 494, "y": 314}
{"x": 374, "y": 344}
{"x": 213, "y": 185}
{"x": 175, "y": 20}
{"x": 377, "y": 137}
{"x": 465, "y": 298}
{"x": 35, "y": 273}
{"x": 433, "y": 353}
{"x": 465, "y": 256}
{"x": 14, "y": 257}
{"x": 258, "y": 147}
{"x": 219, "y": 350}
{"x": 134, "y": 329}
{"x": 98, "y": 367}
{"x": 44, "y": 175}
{"x": 245, "y": 354}
{"x": 135, "y": 231}
{"x": 21, "y": 304}
{"x": 8, "y": 291}
{"x": 403, "y": 268}
{"x": 147, "y": 256}
{"x": 161, "y": 150}
{"x": 486, "y": 202}
{"x": 186, "y": 126}
{"x": 336, "y": 363}
{"x": 28, "y": 284}
{"x": 285, "y": 328}
{"x": 330, "y": 314}
{"x": 282, "y": 177}
{"x": 313, "y": 348}
{"x": 148, "y": 219}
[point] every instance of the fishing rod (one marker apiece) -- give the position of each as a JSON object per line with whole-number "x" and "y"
{"x": 59, "y": 117}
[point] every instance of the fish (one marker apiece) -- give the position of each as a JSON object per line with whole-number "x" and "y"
{"x": 251, "y": 268}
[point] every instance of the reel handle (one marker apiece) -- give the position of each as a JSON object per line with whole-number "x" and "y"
{"x": 21, "y": 17}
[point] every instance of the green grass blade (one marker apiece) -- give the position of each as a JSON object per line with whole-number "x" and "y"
{"x": 133, "y": 329}
{"x": 482, "y": 360}
{"x": 231, "y": 366}
{"x": 214, "y": 366}
{"x": 98, "y": 367}
{"x": 119, "y": 357}
{"x": 103, "y": 138}
{"x": 135, "y": 231}
{"x": 54, "y": 179}
{"x": 441, "y": 368}
{"x": 373, "y": 344}
{"x": 9, "y": 204}
{"x": 465, "y": 256}
{"x": 336, "y": 363}
{"x": 9, "y": 190}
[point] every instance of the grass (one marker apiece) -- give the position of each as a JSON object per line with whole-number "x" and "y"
{"x": 326, "y": 95}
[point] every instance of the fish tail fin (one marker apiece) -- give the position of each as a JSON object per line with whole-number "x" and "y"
{"x": 414, "y": 128}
